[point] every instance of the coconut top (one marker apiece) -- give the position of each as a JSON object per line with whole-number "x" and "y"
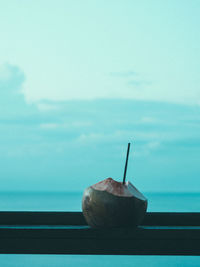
{"x": 118, "y": 188}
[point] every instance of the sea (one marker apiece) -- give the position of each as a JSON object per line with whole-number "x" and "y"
{"x": 71, "y": 201}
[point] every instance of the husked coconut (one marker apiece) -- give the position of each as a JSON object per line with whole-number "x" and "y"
{"x": 113, "y": 204}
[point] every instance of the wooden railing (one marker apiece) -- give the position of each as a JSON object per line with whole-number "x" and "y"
{"x": 67, "y": 233}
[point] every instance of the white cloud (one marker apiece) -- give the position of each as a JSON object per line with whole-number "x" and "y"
{"x": 12, "y": 99}
{"x": 5, "y": 72}
{"x": 119, "y": 136}
{"x": 47, "y": 106}
{"x": 65, "y": 125}
{"x": 49, "y": 126}
{"x": 149, "y": 120}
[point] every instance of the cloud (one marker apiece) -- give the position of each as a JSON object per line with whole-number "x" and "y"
{"x": 49, "y": 126}
{"x": 150, "y": 120}
{"x": 138, "y": 83}
{"x": 11, "y": 79}
{"x": 66, "y": 125}
{"x": 85, "y": 140}
{"x": 43, "y": 106}
{"x": 12, "y": 101}
{"x": 129, "y": 79}
{"x": 124, "y": 74}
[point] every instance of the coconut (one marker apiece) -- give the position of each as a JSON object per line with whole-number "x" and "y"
{"x": 110, "y": 204}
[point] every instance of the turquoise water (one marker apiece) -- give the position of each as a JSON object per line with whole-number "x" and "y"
{"x": 96, "y": 261}
{"x": 72, "y": 202}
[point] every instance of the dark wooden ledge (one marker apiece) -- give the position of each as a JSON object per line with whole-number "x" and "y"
{"x": 67, "y": 233}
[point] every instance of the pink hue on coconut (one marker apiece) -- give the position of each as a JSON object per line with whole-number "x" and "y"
{"x": 113, "y": 187}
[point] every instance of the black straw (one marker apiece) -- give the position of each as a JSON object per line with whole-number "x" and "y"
{"x": 127, "y": 155}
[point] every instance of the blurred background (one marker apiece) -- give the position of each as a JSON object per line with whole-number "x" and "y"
{"x": 81, "y": 79}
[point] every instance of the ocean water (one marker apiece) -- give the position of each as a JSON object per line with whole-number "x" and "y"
{"x": 71, "y": 201}
{"x": 68, "y": 201}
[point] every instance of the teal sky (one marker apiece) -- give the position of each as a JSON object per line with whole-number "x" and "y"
{"x": 80, "y": 79}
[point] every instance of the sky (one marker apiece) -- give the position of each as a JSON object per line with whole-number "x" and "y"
{"x": 81, "y": 79}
